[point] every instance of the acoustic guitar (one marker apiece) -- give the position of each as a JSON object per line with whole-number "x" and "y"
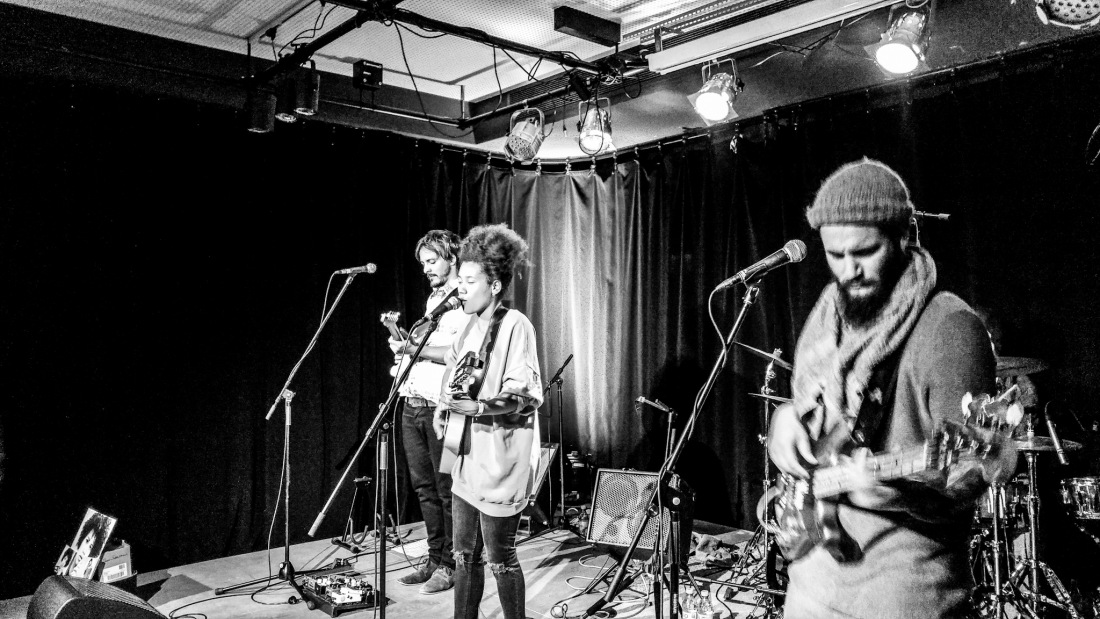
{"x": 805, "y": 511}
{"x": 465, "y": 384}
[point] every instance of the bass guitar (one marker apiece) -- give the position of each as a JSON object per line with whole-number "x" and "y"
{"x": 805, "y": 510}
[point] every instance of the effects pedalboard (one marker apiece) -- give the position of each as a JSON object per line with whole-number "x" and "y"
{"x": 340, "y": 592}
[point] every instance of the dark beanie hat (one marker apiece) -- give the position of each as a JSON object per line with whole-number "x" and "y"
{"x": 861, "y": 192}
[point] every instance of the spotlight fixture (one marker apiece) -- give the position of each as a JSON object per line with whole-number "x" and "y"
{"x": 1075, "y": 14}
{"x": 714, "y": 101}
{"x": 903, "y": 45}
{"x": 525, "y": 136}
{"x": 594, "y": 128}
{"x": 260, "y": 107}
{"x": 286, "y": 100}
{"x": 309, "y": 91}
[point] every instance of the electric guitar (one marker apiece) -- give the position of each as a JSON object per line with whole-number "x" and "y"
{"x": 389, "y": 320}
{"x": 464, "y": 385}
{"x": 805, "y": 511}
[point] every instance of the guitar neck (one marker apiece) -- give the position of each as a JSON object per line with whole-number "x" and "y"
{"x": 835, "y": 480}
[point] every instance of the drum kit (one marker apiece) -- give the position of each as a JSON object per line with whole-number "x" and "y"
{"x": 1004, "y": 549}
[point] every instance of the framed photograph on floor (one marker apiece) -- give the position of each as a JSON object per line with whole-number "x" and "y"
{"x": 87, "y": 547}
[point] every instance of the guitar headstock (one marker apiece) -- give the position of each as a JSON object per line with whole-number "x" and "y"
{"x": 390, "y": 318}
{"x": 1000, "y": 414}
{"x": 984, "y": 436}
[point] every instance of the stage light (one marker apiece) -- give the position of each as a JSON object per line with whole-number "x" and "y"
{"x": 714, "y": 101}
{"x": 309, "y": 91}
{"x": 1075, "y": 14}
{"x": 594, "y": 128}
{"x": 286, "y": 100}
{"x": 903, "y": 45}
{"x": 525, "y": 136}
{"x": 260, "y": 107}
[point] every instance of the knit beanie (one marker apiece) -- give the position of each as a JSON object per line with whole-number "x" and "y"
{"x": 861, "y": 192}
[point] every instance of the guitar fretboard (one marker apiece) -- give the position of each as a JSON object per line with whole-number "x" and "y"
{"x": 836, "y": 480}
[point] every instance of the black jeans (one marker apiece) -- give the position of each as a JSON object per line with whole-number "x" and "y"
{"x": 422, "y": 452}
{"x": 476, "y": 532}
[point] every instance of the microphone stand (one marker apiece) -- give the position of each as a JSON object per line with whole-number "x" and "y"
{"x": 286, "y": 568}
{"x": 556, "y": 381}
{"x": 383, "y": 411}
{"x": 668, "y": 481}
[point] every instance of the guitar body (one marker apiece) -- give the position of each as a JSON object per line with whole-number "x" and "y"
{"x": 465, "y": 385}
{"x": 804, "y": 513}
{"x": 806, "y": 521}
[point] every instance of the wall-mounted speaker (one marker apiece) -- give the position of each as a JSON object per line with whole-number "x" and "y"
{"x": 618, "y": 507}
{"x": 77, "y": 598}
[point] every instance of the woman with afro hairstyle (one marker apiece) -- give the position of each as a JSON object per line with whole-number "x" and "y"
{"x": 494, "y": 473}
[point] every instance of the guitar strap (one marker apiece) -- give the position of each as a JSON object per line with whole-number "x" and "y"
{"x": 487, "y": 345}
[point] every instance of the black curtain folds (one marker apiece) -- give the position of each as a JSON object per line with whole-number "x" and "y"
{"x": 162, "y": 270}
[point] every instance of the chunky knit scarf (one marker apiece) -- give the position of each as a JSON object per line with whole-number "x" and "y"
{"x": 834, "y": 361}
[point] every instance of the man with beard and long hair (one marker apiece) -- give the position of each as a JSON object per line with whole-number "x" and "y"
{"x": 437, "y": 253}
{"x": 884, "y": 356}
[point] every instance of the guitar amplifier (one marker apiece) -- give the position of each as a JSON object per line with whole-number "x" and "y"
{"x": 618, "y": 507}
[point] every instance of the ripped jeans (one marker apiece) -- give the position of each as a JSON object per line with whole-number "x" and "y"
{"x": 475, "y": 532}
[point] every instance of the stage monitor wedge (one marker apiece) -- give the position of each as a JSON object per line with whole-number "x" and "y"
{"x": 77, "y": 598}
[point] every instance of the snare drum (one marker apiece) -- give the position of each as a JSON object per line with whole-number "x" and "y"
{"x": 1082, "y": 497}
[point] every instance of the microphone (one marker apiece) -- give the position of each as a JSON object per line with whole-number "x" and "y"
{"x": 369, "y": 267}
{"x": 449, "y": 302}
{"x": 661, "y": 406}
{"x": 793, "y": 251}
{"x": 1054, "y": 438}
{"x": 560, "y": 370}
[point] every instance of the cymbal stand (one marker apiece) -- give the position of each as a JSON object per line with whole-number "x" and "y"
{"x": 1031, "y": 563}
{"x": 748, "y": 566}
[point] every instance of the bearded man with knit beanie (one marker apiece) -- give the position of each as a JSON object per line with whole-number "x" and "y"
{"x": 886, "y": 355}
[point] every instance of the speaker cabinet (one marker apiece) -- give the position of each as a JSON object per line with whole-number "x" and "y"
{"x": 77, "y": 598}
{"x": 618, "y": 506}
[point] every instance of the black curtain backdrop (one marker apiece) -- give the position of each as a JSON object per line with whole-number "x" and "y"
{"x": 163, "y": 269}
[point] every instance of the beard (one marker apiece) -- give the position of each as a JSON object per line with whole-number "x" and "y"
{"x": 863, "y": 310}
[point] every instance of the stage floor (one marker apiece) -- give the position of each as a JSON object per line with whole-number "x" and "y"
{"x": 557, "y": 567}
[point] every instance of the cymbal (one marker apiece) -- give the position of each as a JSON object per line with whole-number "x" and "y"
{"x": 1018, "y": 366}
{"x": 1043, "y": 443}
{"x": 766, "y": 355}
{"x": 773, "y": 398}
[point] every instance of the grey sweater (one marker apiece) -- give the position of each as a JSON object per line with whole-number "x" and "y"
{"x": 913, "y": 534}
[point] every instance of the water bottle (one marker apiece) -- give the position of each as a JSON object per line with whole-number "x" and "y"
{"x": 687, "y": 609}
{"x": 703, "y": 608}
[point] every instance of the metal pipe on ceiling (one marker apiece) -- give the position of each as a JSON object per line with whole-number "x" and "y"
{"x": 473, "y": 34}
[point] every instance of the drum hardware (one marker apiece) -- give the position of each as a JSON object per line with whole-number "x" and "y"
{"x": 1019, "y": 366}
{"x": 773, "y": 357}
{"x": 1028, "y": 567}
{"x": 1081, "y": 496}
{"x": 771, "y": 398}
